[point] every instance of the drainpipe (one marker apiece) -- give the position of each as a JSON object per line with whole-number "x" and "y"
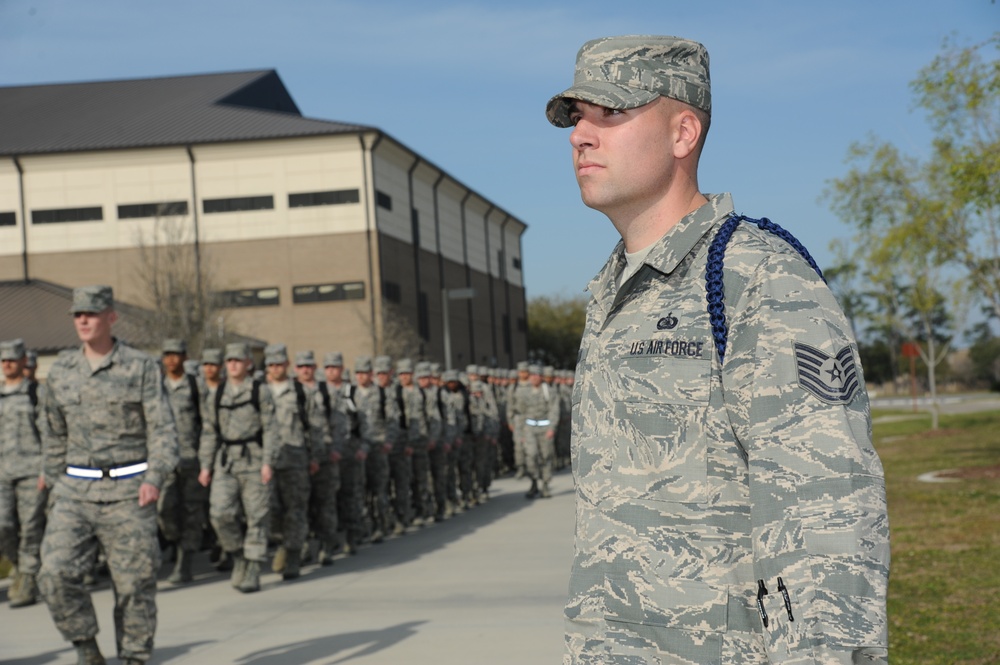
{"x": 24, "y": 220}
{"x": 367, "y": 151}
{"x": 197, "y": 230}
{"x": 489, "y": 278}
{"x": 437, "y": 238}
{"x": 506, "y": 286}
{"x": 416, "y": 242}
{"x": 468, "y": 277}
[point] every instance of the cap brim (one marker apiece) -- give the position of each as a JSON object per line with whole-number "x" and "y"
{"x": 601, "y": 93}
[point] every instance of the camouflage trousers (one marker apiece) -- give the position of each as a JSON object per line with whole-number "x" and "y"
{"x": 466, "y": 459}
{"x": 290, "y": 505}
{"x": 451, "y": 471}
{"x": 377, "y": 485}
{"x": 323, "y": 505}
{"x": 518, "y": 436}
{"x": 182, "y": 508}
{"x": 420, "y": 488}
{"x": 351, "y": 499}
{"x": 438, "y": 459}
{"x": 485, "y": 456}
{"x": 539, "y": 451}
{"x": 401, "y": 469}
{"x": 127, "y": 535}
{"x": 22, "y": 522}
{"x": 237, "y": 487}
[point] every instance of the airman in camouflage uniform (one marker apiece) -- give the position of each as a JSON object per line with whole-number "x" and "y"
{"x": 430, "y": 423}
{"x": 379, "y": 424}
{"x": 110, "y": 443}
{"x": 516, "y": 424}
{"x": 455, "y": 401}
{"x": 23, "y": 494}
{"x": 181, "y": 508}
{"x": 439, "y": 447}
{"x": 564, "y": 387}
{"x": 411, "y": 405}
{"x": 485, "y": 426}
{"x": 239, "y": 448}
{"x": 325, "y": 483}
{"x": 300, "y": 430}
{"x": 730, "y": 506}
{"x": 537, "y": 405}
{"x": 348, "y": 447}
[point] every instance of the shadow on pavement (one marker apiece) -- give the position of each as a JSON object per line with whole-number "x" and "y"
{"x": 319, "y": 649}
{"x": 40, "y": 659}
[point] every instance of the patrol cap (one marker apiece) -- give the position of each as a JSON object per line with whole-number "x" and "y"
{"x": 549, "y": 370}
{"x": 237, "y": 351}
{"x": 435, "y": 369}
{"x": 363, "y": 364}
{"x": 484, "y": 370}
{"x": 303, "y": 358}
{"x": 333, "y": 359}
{"x": 383, "y": 364}
{"x": 92, "y": 299}
{"x": 422, "y": 369}
{"x": 404, "y": 366}
{"x": 174, "y": 345}
{"x": 12, "y": 349}
{"x": 275, "y": 354}
{"x": 522, "y": 366}
{"x": 633, "y": 70}
{"x": 191, "y": 367}
{"x": 211, "y": 356}
{"x": 31, "y": 359}
{"x": 535, "y": 369}
{"x": 450, "y": 375}
{"x": 472, "y": 369}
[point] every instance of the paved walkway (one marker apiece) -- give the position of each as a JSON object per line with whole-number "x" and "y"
{"x": 485, "y": 587}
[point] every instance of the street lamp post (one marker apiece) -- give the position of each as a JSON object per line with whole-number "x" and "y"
{"x": 447, "y": 295}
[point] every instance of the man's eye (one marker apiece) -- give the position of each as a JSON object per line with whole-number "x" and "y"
{"x": 609, "y": 112}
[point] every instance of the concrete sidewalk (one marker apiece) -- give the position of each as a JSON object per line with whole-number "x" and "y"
{"x": 485, "y": 587}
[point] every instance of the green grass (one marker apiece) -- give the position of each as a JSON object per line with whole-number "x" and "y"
{"x": 944, "y": 588}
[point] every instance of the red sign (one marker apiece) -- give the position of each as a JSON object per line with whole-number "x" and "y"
{"x": 911, "y": 350}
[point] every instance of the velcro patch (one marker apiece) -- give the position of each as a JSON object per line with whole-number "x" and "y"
{"x": 833, "y": 379}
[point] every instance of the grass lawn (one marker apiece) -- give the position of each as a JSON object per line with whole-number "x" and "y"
{"x": 944, "y": 588}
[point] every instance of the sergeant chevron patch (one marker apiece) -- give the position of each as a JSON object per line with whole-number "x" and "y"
{"x": 833, "y": 379}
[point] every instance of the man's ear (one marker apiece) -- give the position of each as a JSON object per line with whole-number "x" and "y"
{"x": 688, "y": 133}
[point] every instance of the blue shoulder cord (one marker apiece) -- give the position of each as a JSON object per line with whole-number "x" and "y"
{"x": 713, "y": 271}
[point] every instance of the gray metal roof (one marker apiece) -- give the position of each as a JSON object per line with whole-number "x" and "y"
{"x": 38, "y": 312}
{"x": 136, "y": 113}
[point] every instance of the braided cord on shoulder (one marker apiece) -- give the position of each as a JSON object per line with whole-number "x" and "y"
{"x": 714, "y": 292}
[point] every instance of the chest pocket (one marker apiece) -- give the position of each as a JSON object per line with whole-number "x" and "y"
{"x": 660, "y": 407}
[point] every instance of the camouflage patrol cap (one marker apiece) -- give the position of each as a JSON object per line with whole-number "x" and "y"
{"x": 472, "y": 369}
{"x": 383, "y": 364}
{"x": 450, "y": 375}
{"x": 31, "y": 359}
{"x": 404, "y": 366}
{"x": 522, "y": 366}
{"x": 422, "y": 369}
{"x": 237, "y": 351}
{"x": 333, "y": 359}
{"x": 484, "y": 370}
{"x": 535, "y": 369}
{"x": 303, "y": 358}
{"x": 275, "y": 354}
{"x": 549, "y": 370}
{"x": 633, "y": 70}
{"x": 174, "y": 345}
{"x": 435, "y": 369}
{"x": 12, "y": 349}
{"x": 211, "y": 356}
{"x": 92, "y": 299}
{"x": 363, "y": 364}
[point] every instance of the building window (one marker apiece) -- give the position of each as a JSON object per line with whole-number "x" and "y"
{"x": 521, "y": 325}
{"x": 248, "y": 297}
{"x": 330, "y": 198}
{"x": 392, "y": 292}
{"x": 238, "y": 204}
{"x": 383, "y": 200}
{"x": 8, "y": 219}
{"x": 165, "y": 209}
{"x": 328, "y": 292}
{"x": 423, "y": 318}
{"x": 415, "y": 226}
{"x": 67, "y": 215}
{"x": 516, "y": 262}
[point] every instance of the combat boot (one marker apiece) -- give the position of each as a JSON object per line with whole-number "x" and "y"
{"x": 292, "y": 566}
{"x": 182, "y": 569}
{"x": 280, "y": 559}
{"x": 533, "y": 492}
{"x": 87, "y": 652}
{"x": 325, "y": 555}
{"x": 251, "y": 577}
{"x": 399, "y": 529}
{"x": 307, "y": 552}
{"x": 545, "y": 491}
{"x": 24, "y": 591}
{"x": 239, "y": 570}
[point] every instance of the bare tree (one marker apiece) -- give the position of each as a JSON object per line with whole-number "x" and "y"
{"x": 400, "y": 338}
{"x": 177, "y": 287}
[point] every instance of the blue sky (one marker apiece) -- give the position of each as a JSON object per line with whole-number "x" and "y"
{"x": 465, "y": 85}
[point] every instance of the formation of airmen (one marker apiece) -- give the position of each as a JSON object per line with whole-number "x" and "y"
{"x": 298, "y": 461}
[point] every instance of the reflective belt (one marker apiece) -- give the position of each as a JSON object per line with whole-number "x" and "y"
{"x": 536, "y": 423}
{"x": 116, "y": 472}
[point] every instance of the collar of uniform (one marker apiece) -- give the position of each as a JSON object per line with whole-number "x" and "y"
{"x": 604, "y": 285}
{"x": 678, "y": 242}
{"x": 81, "y": 357}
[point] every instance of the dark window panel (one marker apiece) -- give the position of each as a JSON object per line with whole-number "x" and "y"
{"x": 8, "y": 219}
{"x": 164, "y": 209}
{"x": 383, "y": 200}
{"x": 337, "y": 197}
{"x": 328, "y": 292}
{"x": 67, "y": 215}
{"x": 238, "y": 204}
{"x": 265, "y": 297}
{"x": 392, "y": 292}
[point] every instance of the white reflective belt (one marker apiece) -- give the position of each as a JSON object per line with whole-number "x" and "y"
{"x": 537, "y": 423}
{"x": 117, "y": 472}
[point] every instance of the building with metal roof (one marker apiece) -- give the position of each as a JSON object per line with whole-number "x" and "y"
{"x": 319, "y": 234}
